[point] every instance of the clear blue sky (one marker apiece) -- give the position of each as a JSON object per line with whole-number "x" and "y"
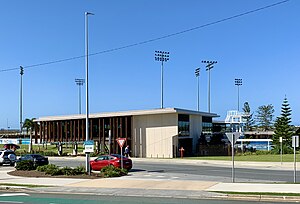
{"x": 262, "y": 48}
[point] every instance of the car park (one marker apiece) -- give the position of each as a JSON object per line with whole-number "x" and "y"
{"x": 37, "y": 159}
{"x": 110, "y": 160}
{"x": 7, "y": 157}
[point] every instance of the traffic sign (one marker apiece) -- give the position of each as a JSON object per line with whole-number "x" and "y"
{"x": 88, "y": 146}
{"x": 121, "y": 141}
{"x": 295, "y": 141}
{"x": 233, "y": 136}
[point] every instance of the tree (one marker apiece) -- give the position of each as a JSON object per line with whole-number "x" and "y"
{"x": 264, "y": 117}
{"x": 29, "y": 125}
{"x": 249, "y": 120}
{"x": 283, "y": 127}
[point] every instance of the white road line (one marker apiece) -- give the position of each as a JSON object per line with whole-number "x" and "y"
{"x": 13, "y": 194}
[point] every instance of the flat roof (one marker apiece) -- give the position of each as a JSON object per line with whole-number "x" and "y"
{"x": 126, "y": 113}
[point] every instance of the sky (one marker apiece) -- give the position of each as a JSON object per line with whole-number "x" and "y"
{"x": 262, "y": 48}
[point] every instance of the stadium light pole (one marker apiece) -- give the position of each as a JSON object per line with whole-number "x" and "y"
{"x": 197, "y": 73}
{"x": 238, "y": 83}
{"x": 21, "y": 99}
{"x": 80, "y": 83}
{"x": 209, "y": 66}
{"x": 163, "y": 57}
{"x": 87, "y": 161}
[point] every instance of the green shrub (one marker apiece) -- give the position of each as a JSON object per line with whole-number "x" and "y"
{"x": 111, "y": 171}
{"x": 79, "y": 170}
{"x": 25, "y": 165}
{"x": 262, "y": 152}
{"x": 42, "y": 168}
{"x": 54, "y": 170}
{"x": 285, "y": 150}
{"x": 50, "y": 169}
{"x": 68, "y": 171}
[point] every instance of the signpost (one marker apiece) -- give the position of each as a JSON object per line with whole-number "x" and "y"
{"x": 280, "y": 140}
{"x": 295, "y": 143}
{"x": 121, "y": 142}
{"x": 109, "y": 141}
{"x": 232, "y": 137}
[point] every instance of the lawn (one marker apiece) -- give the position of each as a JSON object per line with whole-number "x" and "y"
{"x": 48, "y": 149}
{"x": 256, "y": 158}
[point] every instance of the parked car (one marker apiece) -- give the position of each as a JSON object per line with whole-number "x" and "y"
{"x": 38, "y": 160}
{"x": 113, "y": 159}
{"x": 7, "y": 157}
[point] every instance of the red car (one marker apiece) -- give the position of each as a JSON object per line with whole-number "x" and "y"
{"x": 113, "y": 159}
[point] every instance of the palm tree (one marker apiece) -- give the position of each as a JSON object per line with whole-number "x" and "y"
{"x": 29, "y": 125}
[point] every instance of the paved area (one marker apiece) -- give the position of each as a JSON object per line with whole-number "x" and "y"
{"x": 155, "y": 187}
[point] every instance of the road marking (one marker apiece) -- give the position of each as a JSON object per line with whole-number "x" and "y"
{"x": 13, "y": 194}
{"x": 10, "y": 202}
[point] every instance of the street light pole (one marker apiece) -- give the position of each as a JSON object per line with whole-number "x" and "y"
{"x": 21, "y": 99}
{"x": 163, "y": 57}
{"x": 80, "y": 83}
{"x": 87, "y": 162}
{"x": 209, "y": 66}
{"x": 238, "y": 83}
{"x": 197, "y": 73}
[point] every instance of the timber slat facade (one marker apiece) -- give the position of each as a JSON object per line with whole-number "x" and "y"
{"x": 73, "y": 130}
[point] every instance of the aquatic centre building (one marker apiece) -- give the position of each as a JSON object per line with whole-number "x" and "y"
{"x": 155, "y": 133}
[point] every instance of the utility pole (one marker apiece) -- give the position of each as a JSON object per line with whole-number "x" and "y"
{"x": 238, "y": 83}
{"x": 163, "y": 57}
{"x": 209, "y": 66}
{"x": 197, "y": 73}
{"x": 21, "y": 99}
{"x": 87, "y": 154}
{"x": 80, "y": 83}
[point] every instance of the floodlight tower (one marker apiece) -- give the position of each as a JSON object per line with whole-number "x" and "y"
{"x": 197, "y": 73}
{"x": 209, "y": 66}
{"x": 163, "y": 57}
{"x": 238, "y": 83}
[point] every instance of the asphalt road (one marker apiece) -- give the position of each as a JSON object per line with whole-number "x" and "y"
{"x": 40, "y": 198}
{"x": 155, "y": 170}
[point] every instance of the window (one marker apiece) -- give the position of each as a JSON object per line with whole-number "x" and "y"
{"x": 207, "y": 125}
{"x": 183, "y": 125}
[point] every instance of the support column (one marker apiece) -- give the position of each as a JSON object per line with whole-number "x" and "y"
{"x": 60, "y": 131}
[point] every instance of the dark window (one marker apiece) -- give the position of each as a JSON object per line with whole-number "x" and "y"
{"x": 206, "y": 119}
{"x": 183, "y": 125}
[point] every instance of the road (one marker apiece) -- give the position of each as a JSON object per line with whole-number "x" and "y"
{"x": 160, "y": 170}
{"x": 40, "y": 198}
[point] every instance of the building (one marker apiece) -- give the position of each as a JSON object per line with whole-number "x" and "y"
{"x": 155, "y": 133}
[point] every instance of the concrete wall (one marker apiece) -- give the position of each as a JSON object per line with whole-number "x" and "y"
{"x": 154, "y": 135}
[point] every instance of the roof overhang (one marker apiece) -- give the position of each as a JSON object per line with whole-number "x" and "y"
{"x": 126, "y": 113}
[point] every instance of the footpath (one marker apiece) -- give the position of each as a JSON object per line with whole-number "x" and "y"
{"x": 132, "y": 186}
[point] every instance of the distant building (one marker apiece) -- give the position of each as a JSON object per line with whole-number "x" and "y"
{"x": 155, "y": 133}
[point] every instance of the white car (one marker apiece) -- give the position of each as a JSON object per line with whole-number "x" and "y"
{"x": 7, "y": 157}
